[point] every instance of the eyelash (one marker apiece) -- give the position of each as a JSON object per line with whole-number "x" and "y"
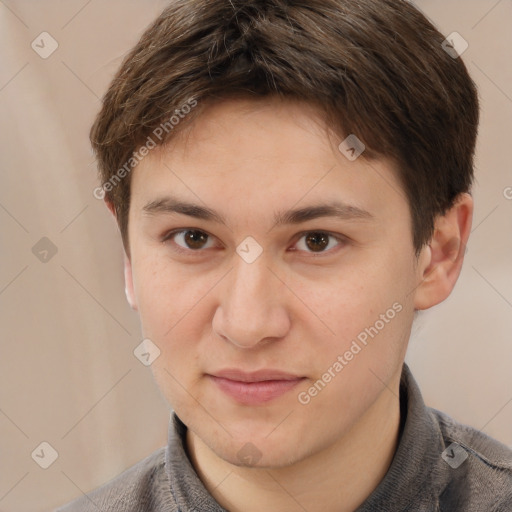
{"x": 197, "y": 252}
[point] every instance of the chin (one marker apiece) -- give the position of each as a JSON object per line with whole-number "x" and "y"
{"x": 260, "y": 455}
{"x": 255, "y": 448}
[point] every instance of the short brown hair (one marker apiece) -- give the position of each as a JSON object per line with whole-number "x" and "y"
{"x": 377, "y": 68}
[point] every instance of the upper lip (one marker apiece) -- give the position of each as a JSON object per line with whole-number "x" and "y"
{"x": 256, "y": 376}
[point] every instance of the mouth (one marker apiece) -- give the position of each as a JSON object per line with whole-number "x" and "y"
{"x": 252, "y": 388}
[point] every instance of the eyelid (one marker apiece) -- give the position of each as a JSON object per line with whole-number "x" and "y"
{"x": 341, "y": 239}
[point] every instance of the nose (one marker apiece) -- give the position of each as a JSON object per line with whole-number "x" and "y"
{"x": 252, "y": 306}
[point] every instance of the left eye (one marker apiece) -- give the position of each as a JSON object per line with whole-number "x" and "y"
{"x": 317, "y": 241}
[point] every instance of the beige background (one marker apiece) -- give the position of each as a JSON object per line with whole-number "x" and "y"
{"x": 68, "y": 374}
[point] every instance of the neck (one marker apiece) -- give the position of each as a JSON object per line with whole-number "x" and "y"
{"x": 338, "y": 478}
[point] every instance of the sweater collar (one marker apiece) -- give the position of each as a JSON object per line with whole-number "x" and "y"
{"x": 417, "y": 467}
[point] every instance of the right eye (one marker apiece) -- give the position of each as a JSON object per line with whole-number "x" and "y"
{"x": 188, "y": 240}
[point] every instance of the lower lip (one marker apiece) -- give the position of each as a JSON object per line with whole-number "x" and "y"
{"x": 252, "y": 393}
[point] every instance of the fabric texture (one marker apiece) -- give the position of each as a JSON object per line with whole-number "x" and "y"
{"x": 439, "y": 466}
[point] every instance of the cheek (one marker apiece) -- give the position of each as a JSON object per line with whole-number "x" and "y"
{"x": 170, "y": 312}
{"x": 351, "y": 369}
{"x": 353, "y": 299}
{"x": 368, "y": 311}
{"x": 166, "y": 296}
{"x": 172, "y": 315}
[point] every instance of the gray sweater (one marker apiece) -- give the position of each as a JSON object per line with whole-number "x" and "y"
{"x": 439, "y": 466}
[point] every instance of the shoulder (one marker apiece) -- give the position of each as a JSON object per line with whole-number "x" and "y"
{"x": 142, "y": 488}
{"x": 479, "y": 466}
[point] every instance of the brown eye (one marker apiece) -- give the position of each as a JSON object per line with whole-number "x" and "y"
{"x": 189, "y": 239}
{"x": 317, "y": 242}
{"x": 195, "y": 239}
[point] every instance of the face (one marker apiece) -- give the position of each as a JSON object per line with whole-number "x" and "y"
{"x": 276, "y": 277}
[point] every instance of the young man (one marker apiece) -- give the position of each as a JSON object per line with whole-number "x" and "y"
{"x": 292, "y": 184}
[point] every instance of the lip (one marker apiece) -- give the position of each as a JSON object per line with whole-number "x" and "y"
{"x": 252, "y": 388}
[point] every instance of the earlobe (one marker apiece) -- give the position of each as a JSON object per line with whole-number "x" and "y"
{"x": 128, "y": 275}
{"x": 441, "y": 261}
{"x": 128, "y": 280}
{"x": 110, "y": 205}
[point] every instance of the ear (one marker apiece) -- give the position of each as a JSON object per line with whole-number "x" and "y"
{"x": 440, "y": 261}
{"x": 110, "y": 205}
{"x": 128, "y": 281}
{"x": 128, "y": 275}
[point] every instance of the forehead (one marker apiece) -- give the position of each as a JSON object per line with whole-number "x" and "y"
{"x": 266, "y": 127}
{"x": 255, "y": 152}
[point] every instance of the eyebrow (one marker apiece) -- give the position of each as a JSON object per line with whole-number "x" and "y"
{"x": 340, "y": 210}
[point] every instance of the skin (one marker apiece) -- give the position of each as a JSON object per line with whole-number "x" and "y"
{"x": 296, "y": 308}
